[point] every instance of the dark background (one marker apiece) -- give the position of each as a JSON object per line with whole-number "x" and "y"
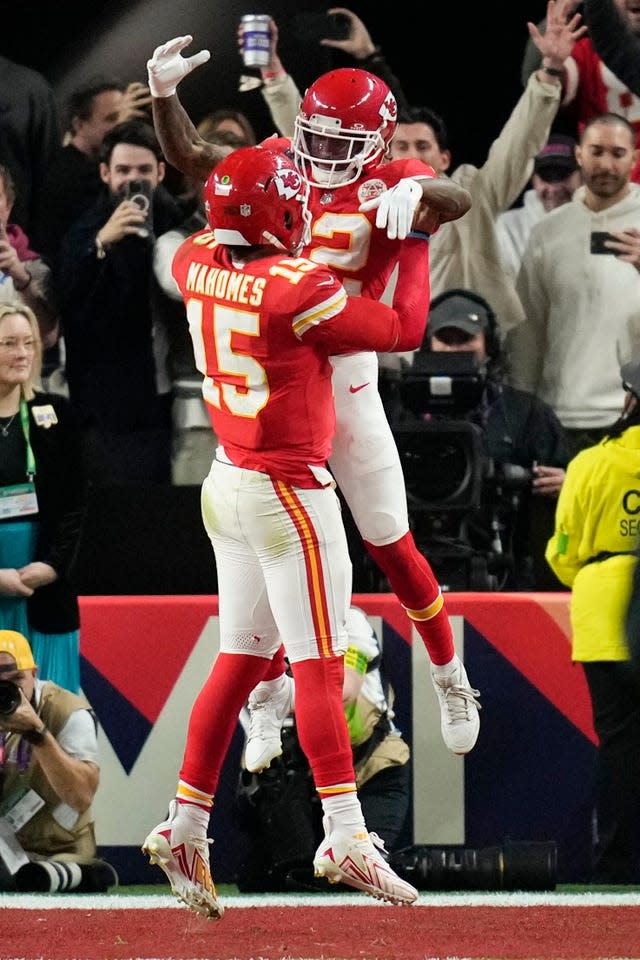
{"x": 447, "y": 56}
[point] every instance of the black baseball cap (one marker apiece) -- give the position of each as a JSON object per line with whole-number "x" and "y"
{"x": 557, "y": 159}
{"x": 458, "y": 311}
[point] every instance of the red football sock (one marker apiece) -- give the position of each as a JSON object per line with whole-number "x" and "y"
{"x": 214, "y": 717}
{"x": 320, "y": 719}
{"x": 417, "y": 589}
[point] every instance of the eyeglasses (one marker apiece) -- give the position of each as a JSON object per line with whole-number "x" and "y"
{"x": 11, "y": 344}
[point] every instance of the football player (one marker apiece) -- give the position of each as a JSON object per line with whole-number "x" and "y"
{"x": 368, "y": 217}
{"x": 264, "y": 322}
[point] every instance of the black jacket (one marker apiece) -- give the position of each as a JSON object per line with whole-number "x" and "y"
{"x": 61, "y": 490}
{"x": 109, "y": 307}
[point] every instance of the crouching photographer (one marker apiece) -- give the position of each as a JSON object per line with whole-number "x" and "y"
{"x": 520, "y": 448}
{"x": 49, "y": 775}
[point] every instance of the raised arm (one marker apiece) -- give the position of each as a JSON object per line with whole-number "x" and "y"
{"x": 181, "y": 143}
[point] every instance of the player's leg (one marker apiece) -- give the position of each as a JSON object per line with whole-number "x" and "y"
{"x": 309, "y": 586}
{"x": 366, "y": 465}
{"x": 248, "y": 639}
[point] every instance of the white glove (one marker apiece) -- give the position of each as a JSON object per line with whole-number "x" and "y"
{"x": 167, "y": 66}
{"x": 396, "y": 207}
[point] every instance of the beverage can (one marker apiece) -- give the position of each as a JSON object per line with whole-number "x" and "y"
{"x": 255, "y": 40}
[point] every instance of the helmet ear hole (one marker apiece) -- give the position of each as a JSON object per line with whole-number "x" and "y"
{"x": 288, "y": 220}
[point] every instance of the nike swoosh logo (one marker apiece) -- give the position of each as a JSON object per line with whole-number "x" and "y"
{"x": 361, "y": 387}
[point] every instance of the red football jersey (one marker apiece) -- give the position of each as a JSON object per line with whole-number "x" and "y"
{"x": 347, "y": 240}
{"x": 262, "y": 335}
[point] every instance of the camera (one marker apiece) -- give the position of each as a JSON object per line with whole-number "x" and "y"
{"x": 512, "y": 866}
{"x": 10, "y": 697}
{"x": 141, "y": 193}
{"x": 464, "y": 505}
{"x": 444, "y": 384}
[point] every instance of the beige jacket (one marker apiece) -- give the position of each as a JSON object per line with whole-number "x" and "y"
{"x": 465, "y": 252}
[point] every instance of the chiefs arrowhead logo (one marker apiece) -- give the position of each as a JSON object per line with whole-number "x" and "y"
{"x": 287, "y": 183}
{"x": 389, "y": 109}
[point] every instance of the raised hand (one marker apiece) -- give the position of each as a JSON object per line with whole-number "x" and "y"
{"x": 167, "y": 66}
{"x": 135, "y": 99}
{"x": 359, "y": 43}
{"x": 561, "y": 32}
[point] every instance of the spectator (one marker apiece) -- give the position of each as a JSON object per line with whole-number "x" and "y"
{"x": 518, "y": 431}
{"x": 579, "y": 303}
{"x": 42, "y": 476}
{"x": 555, "y": 179}
{"x": 29, "y": 137}
{"x": 72, "y": 182}
{"x": 116, "y": 346}
{"x": 591, "y": 83}
{"x": 268, "y": 386}
{"x": 50, "y": 752}
{"x": 594, "y": 552}
{"x": 24, "y": 276}
{"x": 276, "y": 799}
{"x": 230, "y": 121}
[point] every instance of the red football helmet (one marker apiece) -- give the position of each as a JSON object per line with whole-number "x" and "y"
{"x": 346, "y": 120}
{"x": 257, "y": 196}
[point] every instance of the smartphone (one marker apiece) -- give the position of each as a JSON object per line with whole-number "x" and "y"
{"x": 141, "y": 192}
{"x": 313, "y": 27}
{"x": 598, "y": 238}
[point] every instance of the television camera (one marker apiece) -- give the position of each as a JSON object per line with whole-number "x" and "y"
{"x": 462, "y": 503}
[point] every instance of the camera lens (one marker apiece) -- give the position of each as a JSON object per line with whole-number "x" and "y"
{"x": 10, "y": 697}
{"x": 514, "y": 866}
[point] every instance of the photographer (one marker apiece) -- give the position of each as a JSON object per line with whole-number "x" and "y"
{"x": 518, "y": 431}
{"x": 49, "y": 775}
{"x": 114, "y": 324}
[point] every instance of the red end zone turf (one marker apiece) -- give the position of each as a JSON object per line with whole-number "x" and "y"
{"x": 352, "y": 932}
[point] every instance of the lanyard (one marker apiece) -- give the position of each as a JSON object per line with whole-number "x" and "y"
{"x": 24, "y": 419}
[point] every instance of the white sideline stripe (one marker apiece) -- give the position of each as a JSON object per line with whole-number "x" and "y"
{"x": 115, "y": 901}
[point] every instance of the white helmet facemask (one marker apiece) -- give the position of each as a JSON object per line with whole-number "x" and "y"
{"x": 327, "y": 156}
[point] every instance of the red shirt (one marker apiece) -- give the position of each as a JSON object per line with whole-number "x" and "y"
{"x": 262, "y": 336}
